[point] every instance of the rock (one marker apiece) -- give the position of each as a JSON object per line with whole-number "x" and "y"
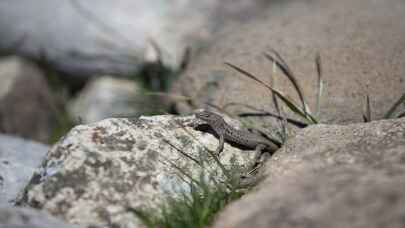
{"x": 13, "y": 217}
{"x": 361, "y": 48}
{"x": 18, "y": 160}
{"x": 101, "y": 37}
{"x": 96, "y": 171}
{"x": 106, "y": 97}
{"x": 27, "y": 107}
{"x": 330, "y": 176}
{"x": 340, "y": 197}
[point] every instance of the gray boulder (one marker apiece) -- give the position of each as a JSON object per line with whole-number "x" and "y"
{"x": 18, "y": 160}
{"x": 106, "y": 97}
{"x": 330, "y": 176}
{"x": 99, "y": 170}
{"x": 361, "y": 48}
{"x": 13, "y": 217}
{"x": 27, "y": 106}
{"x": 104, "y": 37}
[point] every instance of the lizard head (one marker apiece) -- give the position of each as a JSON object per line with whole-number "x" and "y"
{"x": 207, "y": 116}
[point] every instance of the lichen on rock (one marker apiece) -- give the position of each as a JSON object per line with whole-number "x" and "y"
{"x": 96, "y": 171}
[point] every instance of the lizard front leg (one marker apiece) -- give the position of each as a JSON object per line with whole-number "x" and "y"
{"x": 252, "y": 177}
{"x": 257, "y": 156}
{"x": 220, "y": 147}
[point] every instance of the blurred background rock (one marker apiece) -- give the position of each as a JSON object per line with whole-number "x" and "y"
{"x": 98, "y": 37}
{"x": 72, "y": 42}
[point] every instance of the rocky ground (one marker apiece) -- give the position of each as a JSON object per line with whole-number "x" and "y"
{"x": 88, "y": 152}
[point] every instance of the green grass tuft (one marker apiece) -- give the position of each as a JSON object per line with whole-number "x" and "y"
{"x": 390, "y": 114}
{"x": 206, "y": 194}
{"x": 196, "y": 208}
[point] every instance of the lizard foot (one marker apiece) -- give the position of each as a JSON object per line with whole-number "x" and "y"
{"x": 250, "y": 179}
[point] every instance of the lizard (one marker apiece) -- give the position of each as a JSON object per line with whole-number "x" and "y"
{"x": 231, "y": 134}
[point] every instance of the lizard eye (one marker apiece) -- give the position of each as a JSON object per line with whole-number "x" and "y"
{"x": 207, "y": 115}
{"x": 204, "y": 115}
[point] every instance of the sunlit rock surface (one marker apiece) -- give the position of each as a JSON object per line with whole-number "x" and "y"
{"x": 96, "y": 171}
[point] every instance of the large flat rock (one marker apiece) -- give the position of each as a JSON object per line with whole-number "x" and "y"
{"x": 361, "y": 46}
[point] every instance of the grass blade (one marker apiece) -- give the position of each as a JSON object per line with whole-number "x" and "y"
{"x": 282, "y": 121}
{"x": 319, "y": 84}
{"x": 289, "y": 103}
{"x": 295, "y": 108}
{"x": 182, "y": 152}
{"x": 296, "y": 123}
{"x": 282, "y": 61}
{"x": 402, "y": 114}
{"x": 261, "y": 112}
{"x": 184, "y": 173}
{"x": 367, "y": 113}
{"x": 243, "y": 72}
{"x": 391, "y": 111}
{"x": 143, "y": 216}
{"x": 281, "y": 64}
{"x": 273, "y": 96}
